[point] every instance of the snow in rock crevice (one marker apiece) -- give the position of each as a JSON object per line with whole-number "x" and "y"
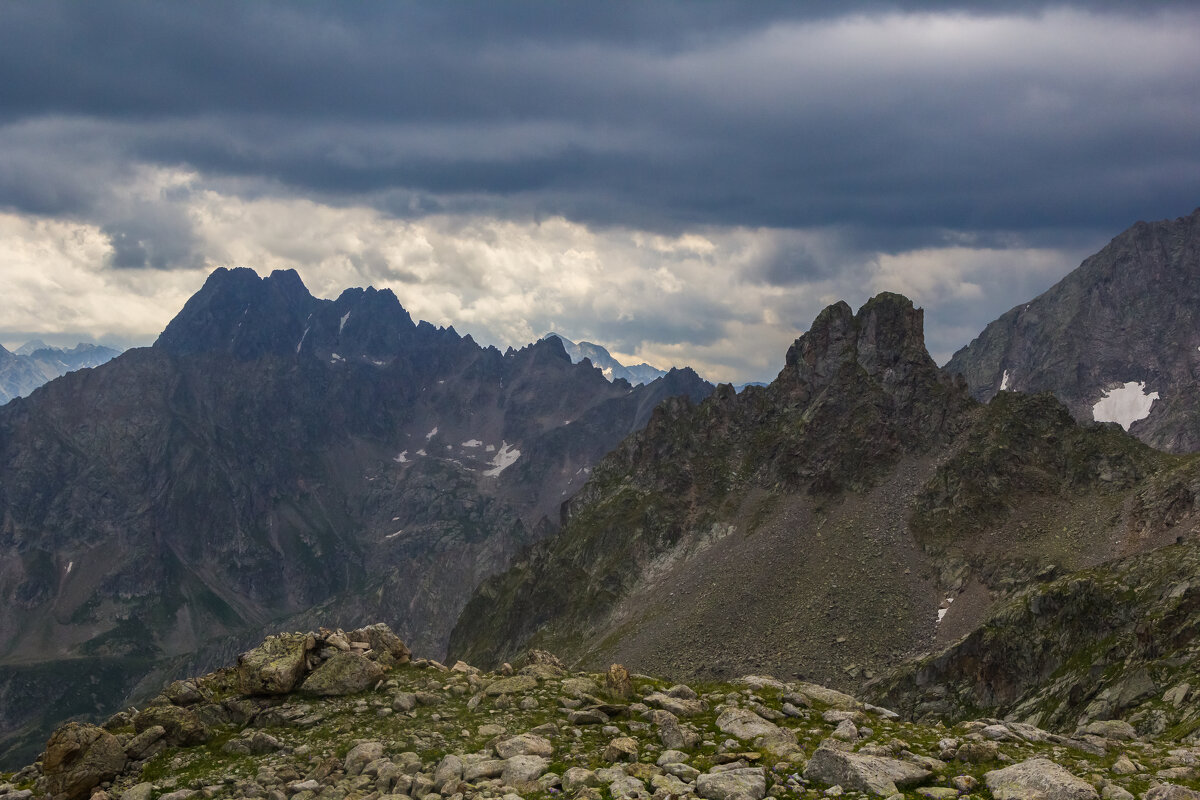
{"x": 504, "y": 458}
{"x": 1004, "y": 381}
{"x": 300, "y": 343}
{"x": 472, "y": 443}
{"x": 431, "y": 434}
{"x": 1124, "y": 405}
{"x": 402, "y": 458}
{"x": 342, "y": 324}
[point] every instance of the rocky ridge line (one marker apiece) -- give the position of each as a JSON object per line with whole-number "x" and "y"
{"x": 333, "y": 715}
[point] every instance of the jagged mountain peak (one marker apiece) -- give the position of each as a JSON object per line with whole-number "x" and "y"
{"x": 1117, "y": 339}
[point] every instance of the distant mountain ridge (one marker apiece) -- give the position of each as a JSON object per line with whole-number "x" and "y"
{"x": 35, "y": 362}
{"x": 603, "y": 360}
{"x": 277, "y": 460}
{"x": 859, "y": 510}
{"x": 1118, "y": 339}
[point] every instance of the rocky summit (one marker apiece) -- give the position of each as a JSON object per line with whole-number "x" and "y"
{"x": 860, "y": 511}
{"x": 1117, "y": 340}
{"x": 340, "y": 715}
{"x": 275, "y": 456}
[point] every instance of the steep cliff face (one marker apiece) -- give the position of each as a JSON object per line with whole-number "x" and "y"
{"x": 859, "y": 510}
{"x": 727, "y": 521}
{"x": 1116, "y": 340}
{"x": 277, "y": 456}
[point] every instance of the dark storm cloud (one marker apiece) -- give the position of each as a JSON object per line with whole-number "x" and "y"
{"x": 660, "y": 115}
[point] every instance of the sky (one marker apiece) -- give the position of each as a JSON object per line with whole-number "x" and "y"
{"x": 685, "y": 183}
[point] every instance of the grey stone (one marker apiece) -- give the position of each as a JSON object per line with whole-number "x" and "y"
{"x": 274, "y": 667}
{"x": 1167, "y": 791}
{"x": 343, "y": 674}
{"x": 748, "y": 783}
{"x": 513, "y": 685}
{"x": 520, "y": 770}
{"x": 360, "y": 755}
{"x": 80, "y": 757}
{"x": 1037, "y": 779}
{"x": 862, "y": 773}
{"x": 527, "y": 744}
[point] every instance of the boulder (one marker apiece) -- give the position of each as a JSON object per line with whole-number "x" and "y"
{"x": 875, "y": 775}
{"x": 449, "y": 770}
{"x": 274, "y": 667}
{"x": 618, "y": 683}
{"x": 147, "y": 744}
{"x": 183, "y": 728}
{"x": 342, "y": 674}
{"x": 361, "y": 755}
{"x": 746, "y": 725}
{"x": 183, "y": 693}
{"x": 1109, "y": 729}
{"x": 517, "y": 683}
{"x": 749, "y": 783}
{"x": 830, "y": 697}
{"x": 521, "y": 770}
{"x": 80, "y": 757}
{"x": 679, "y": 706}
{"x": 381, "y": 639}
{"x": 1169, "y": 791}
{"x": 623, "y": 748}
{"x": 1037, "y": 779}
{"x": 527, "y": 744}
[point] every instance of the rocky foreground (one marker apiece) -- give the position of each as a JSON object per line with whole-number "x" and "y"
{"x": 335, "y": 715}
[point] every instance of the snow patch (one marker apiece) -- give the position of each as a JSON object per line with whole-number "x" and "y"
{"x": 70, "y": 566}
{"x": 303, "y": 336}
{"x": 342, "y": 324}
{"x": 1124, "y": 405}
{"x": 491, "y": 448}
{"x": 505, "y": 458}
{"x": 472, "y": 443}
{"x": 431, "y": 434}
{"x": 335, "y": 358}
{"x": 946, "y": 607}
{"x": 1004, "y": 381}
{"x": 402, "y": 458}
{"x": 393, "y": 535}
{"x": 421, "y": 453}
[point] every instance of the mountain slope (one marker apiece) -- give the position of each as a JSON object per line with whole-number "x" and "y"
{"x": 34, "y": 363}
{"x": 603, "y": 360}
{"x": 275, "y": 455}
{"x": 1118, "y": 339}
{"x": 858, "y": 510}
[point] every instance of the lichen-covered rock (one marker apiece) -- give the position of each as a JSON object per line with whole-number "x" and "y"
{"x": 618, "y": 683}
{"x": 80, "y": 757}
{"x": 361, "y": 755}
{"x": 734, "y": 784}
{"x": 382, "y": 640}
{"x": 274, "y": 667}
{"x": 1037, "y": 779}
{"x": 1168, "y": 791}
{"x": 875, "y": 775}
{"x": 527, "y": 744}
{"x": 183, "y": 728}
{"x": 342, "y": 674}
{"x": 517, "y": 683}
{"x": 522, "y": 770}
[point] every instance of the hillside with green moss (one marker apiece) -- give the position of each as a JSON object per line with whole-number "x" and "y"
{"x": 858, "y": 511}
{"x": 336, "y": 714}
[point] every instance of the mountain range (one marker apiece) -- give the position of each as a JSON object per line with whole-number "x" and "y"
{"x": 980, "y": 539}
{"x": 603, "y": 360}
{"x": 276, "y": 457}
{"x": 1116, "y": 340}
{"x": 35, "y": 362}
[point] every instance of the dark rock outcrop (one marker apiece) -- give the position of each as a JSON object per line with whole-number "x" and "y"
{"x": 1128, "y": 319}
